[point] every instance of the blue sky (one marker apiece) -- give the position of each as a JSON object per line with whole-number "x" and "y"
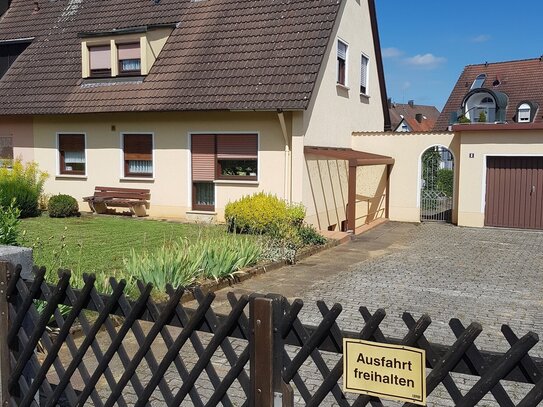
{"x": 427, "y": 43}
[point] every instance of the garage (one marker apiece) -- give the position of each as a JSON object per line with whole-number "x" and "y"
{"x": 514, "y": 192}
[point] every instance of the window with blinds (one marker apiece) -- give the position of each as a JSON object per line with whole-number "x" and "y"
{"x": 364, "y": 73}
{"x": 71, "y": 149}
{"x": 6, "y": 152}
{"x": 100, "y": 61}
{"x": 129, "y": 56}
{"x": 341, "y": 63}
{"x": 138, "y": 155}
{"x": 220, "y": 157}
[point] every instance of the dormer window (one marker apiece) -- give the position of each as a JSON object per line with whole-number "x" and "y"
{"x": 100, "y": 61}
{"x": 524, "y": 113}
{"x": 129, "y": 59}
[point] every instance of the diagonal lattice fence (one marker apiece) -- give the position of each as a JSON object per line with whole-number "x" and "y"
{"x": 111, "y": 350}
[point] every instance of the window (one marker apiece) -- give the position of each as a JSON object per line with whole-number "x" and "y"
{"x": 221, "y": 157}
{"x": 138, "y": 155}
{"x": 524, "y": 113}
{"x": 100, "y": 61}
{"x": 71, "y": 149}
{"x": 6, "y": 152}
{"x": 364, "y": 74}
{"x": 341, "y": 63}
{"x": 9, "y": 52}
{"x": 129, "y": 56}
{"x": 479, "y": 81}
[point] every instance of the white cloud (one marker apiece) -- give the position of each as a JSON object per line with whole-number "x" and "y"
{"x": 391, "y": 52}
{"x": 426, "y": 61}
{"x": 481, "y": 38}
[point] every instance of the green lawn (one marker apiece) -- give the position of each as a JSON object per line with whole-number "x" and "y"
{"x": 98, "y": 244}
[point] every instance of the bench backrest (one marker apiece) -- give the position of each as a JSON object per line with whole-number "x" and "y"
{"x": 123, "y": 193}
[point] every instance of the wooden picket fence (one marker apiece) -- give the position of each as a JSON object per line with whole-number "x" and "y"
{"x": 260, "y": 354}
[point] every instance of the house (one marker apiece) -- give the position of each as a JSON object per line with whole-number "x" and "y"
{"x": 410, "y": 117}
{"x": 492, "y": 127}
{"x": 201, "y": 102}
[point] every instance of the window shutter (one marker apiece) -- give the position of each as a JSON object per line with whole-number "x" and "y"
{"x": 203, "y": 157}
{"x": 364, "y": 74}
{"x": 237, "y": 146}
{"x": 138, "y": 147}
{"x": 100, "y": 57}
{"x": 342, "y": 50}
{"x": 71, "y": 142}
{"x": 129, "y": 51}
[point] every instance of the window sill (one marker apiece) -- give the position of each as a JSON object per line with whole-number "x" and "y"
{"x": 68, "y": 176}
{"x": 233, "y": 181}
{"x": 192, "y": 212}
{"x": 342, "y": 87}
{"x": 364, "y": 95}
{"x": 136, "y": 179}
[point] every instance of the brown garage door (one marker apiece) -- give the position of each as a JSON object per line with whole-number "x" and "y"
{"x": 514, "y": 192}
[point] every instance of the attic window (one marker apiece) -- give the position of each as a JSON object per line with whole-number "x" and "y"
{"x": 129, "y": 56}
{"x": 100, "y": 61}
{"x": 524, "y": 113}
{"x": 478, "y": 82}
{"x": 341, "y": 63}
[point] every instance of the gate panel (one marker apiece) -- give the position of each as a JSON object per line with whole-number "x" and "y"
{"x": 514, "y": 192}
{"x": 436, "y": 197}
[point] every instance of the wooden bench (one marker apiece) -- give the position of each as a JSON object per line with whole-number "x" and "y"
{"x": 106, "y": 197}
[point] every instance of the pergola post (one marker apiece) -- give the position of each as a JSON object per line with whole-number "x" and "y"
{"x": 351, "y": 196}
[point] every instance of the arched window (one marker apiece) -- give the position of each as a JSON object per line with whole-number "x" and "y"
{"x": 524, "y": 113}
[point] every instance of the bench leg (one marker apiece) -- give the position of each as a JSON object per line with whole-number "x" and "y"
{"x": 99, "y": 207}
{"x": 139, "y": 210}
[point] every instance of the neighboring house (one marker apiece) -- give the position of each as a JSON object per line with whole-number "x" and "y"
{"x": 493, "y": 127}
{"x": 201, "y": 102}
{"x": 411, "y": 117}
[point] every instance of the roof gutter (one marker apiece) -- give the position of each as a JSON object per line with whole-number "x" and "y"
{"x": 129, "y": 30}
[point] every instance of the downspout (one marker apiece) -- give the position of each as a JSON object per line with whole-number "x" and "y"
{"x": 288, "y": 160}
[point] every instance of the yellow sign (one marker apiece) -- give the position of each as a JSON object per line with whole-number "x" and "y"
{"x": 392, "y": 372}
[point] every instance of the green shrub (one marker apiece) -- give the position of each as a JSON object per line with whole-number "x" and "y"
{"x": 261, "y": 213}
{"x": 310, "y": 236}
{"x": 445, "y": 181}
{"x": 62, "y": 206}
{"x": 24, "y": 183}
{"x": 9, "y": 224}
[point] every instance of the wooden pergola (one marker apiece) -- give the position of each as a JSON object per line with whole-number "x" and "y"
{"x": 356, "y": 159}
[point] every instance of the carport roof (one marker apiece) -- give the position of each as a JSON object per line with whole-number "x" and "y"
{"x": 359, "y": 158}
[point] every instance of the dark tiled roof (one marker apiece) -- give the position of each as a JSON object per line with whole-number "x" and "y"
{"x": 409, "y": 112}
{"x": 224, "y": 54}
{"x": 519, "y": 80}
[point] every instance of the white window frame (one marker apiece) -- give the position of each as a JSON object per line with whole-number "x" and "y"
{"x": 121, "y": 148}
{"x": 366, "y": 85}
{"x": 58, "y": 174}
{"x": 338, "y": 83}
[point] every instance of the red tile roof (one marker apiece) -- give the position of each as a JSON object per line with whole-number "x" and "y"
{"x": 520, "y": 80}
{"x": 399, "y": 111}
{"x": 224, "y": 55}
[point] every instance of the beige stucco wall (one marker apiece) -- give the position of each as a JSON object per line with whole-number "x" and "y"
{"x": 335, "y": 111}
{"x": 371, "y": 190}
{"x": 20, "y": 129}
{"x": 171, "y": 185}
{"x": 472, "y": 189}
{"x": 407, "y": 149}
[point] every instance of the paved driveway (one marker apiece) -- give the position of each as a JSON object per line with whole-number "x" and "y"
{"x": 493, "y": 276}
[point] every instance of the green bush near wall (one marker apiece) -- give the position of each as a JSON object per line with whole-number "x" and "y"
{"x": 445, "y": 181}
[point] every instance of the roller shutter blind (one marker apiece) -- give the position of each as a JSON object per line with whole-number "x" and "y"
{"x": 138, "y": 147}
{"x": 203, "y": 157}
{"x": 237, "y": 146}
